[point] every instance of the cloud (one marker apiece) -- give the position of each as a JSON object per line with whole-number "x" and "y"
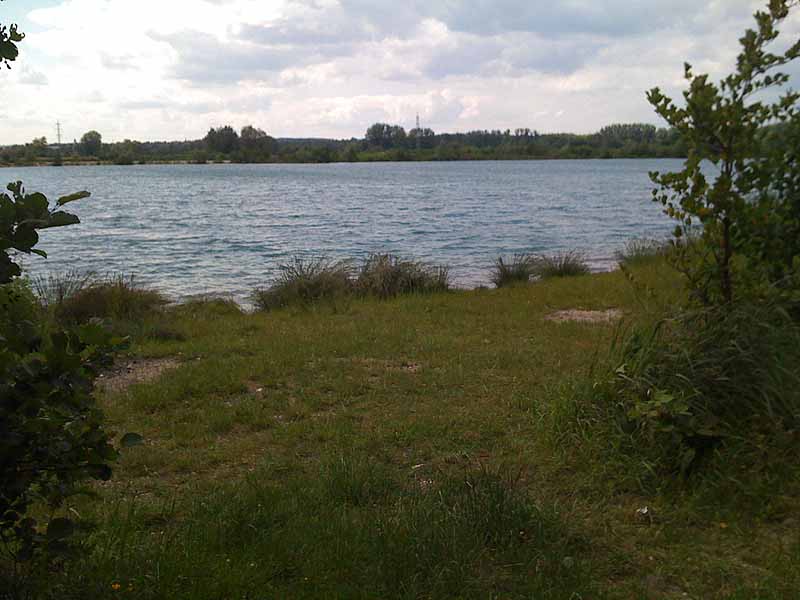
{"x": 170, "y": 69}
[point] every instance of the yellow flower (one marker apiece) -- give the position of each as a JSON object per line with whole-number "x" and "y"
{"x": 115, "y": 586}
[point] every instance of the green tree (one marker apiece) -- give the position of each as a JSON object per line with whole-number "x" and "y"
{"x": 724, "y": 125}
{"x": 256, "y": 144}
{"x": 223, "y": 139}
{"x": 91, "y": 144}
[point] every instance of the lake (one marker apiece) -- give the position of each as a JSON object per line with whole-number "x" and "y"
{"x": 192, "y": 229}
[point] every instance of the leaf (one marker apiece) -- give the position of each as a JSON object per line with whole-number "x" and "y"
{"x": 61, "y": 219}
{"x": 129, "y": 440}
{"x": 38, "y": 252}
{"x": 72, "y": 198}
{"x": 61, "y": 528}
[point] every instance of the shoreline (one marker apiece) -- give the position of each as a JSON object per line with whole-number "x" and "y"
{"x": 101, "y": 163}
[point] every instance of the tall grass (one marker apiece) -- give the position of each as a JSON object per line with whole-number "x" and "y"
{"x": 642, "y": 250}
{"x": 75, "y": 297}
{"x": 568, "y": 263}
{"x": 519, "y": 269}
{"x": 309, "y": 281}
{"x": 387, "y": 275}
{"x": 306, "y": 281}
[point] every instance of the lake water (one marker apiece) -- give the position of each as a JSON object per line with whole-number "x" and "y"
{"x": 191, "y": 229}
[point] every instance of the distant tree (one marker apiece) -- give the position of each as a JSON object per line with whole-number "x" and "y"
{"x": 223, "y": 139}
{"x": 427, "y": 138}
{"x": 256, "y": 143}
{"x": 91, "y": 144}
{"x": 39, "y": 146}
{"x": 386, "y": 136}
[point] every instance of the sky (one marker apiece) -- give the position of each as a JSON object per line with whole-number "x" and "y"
{"x": 170, "y": 69}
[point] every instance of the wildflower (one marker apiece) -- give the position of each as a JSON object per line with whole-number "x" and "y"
{"x": 116, "y": 586}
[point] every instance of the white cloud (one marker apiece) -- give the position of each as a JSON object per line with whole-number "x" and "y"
{"x": 169, "y": 69}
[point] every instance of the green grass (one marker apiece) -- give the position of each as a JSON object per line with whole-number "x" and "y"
{"x": 424, "y": 446}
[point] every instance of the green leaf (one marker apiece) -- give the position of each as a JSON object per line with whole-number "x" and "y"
{"x": 129, "y": 440}
{"x": 38, "y": 252}
{"x": 72, "y": 198}
{"x": 58, "y": 529}
{"x": 61, "y": 219}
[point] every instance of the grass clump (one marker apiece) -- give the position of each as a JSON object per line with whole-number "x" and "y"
{"x": 641, "y": 250}
{"x": 308, "y": 281}
{"x": 569, "y": 263}
{"x": 304, "y": 282}
{"x": 387, "y": 276}
{"x": 518, "y": 270}
{"x": 75, "y": 297}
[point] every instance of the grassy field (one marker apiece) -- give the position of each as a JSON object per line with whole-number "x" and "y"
{"x": 421, "y": 447}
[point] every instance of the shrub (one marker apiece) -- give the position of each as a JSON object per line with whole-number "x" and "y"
{"x": 51, "y": 431}
{"x": 704, "y": 377}
{"x": 560, "y": 264}
{"x": 386, "y": 276}
{"x": 306, "y": 281}
{"x": 518, "y": 270}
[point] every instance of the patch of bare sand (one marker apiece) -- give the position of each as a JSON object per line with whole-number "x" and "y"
{"x": 119, "y": 378}
{"x": 585, "y": 316}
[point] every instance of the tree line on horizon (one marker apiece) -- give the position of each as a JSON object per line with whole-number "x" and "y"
{"x": 381, "y": 142}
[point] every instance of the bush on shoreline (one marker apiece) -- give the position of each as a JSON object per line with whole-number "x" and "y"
{"x": 519, "y": 269}
{"x": 74, "y": 297}
{"x": 308, "y": 281}
{"x": 569, "y": 263}
{"x": 641, "y": 250}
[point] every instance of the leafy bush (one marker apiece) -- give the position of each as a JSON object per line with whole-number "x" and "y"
{"x": 750, "y": 215}
{"x": 518, "y": 270}
{"x": 704, "y": 377}
{"x": 306, "y": 281}
{"x": 51, "y": 431}
{"x": 561, "y": 264}
{"x": 386, "y": 276}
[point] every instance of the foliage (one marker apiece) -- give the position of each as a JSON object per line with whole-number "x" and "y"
{"x": 223, "y": 139}
{"x": 51, "y": 431}
{"x": 568, "y": 263}
{"x": 21, "y": 215}
{"x": 754, "y": 196}
{"x": 518, "y": 270}
{"x": 386, "y": 276}
{"x": 91, "y": 144}
{"x": 9, "y": 37}
{"x": 388, "y": 144}
{"x": 707, "y": 376}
